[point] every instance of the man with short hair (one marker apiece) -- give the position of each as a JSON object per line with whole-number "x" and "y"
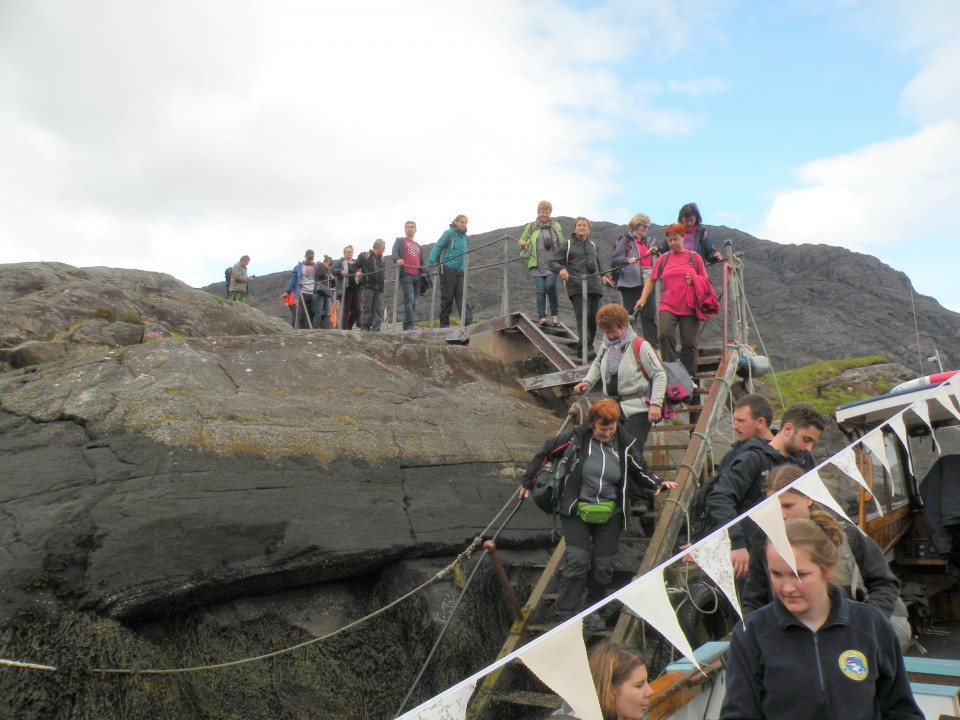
{"x": 406, "y": 254}
{"x": 369, "y": 276}
{"x": 305, "y": 286}
{"x": 344, "y": 270}
{"x": 752, "y": 418}
{"x": 239, "y": 280}
{"x": 741, "y": 485}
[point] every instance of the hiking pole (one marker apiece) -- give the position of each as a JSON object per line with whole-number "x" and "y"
{"x": 453, "y": 611}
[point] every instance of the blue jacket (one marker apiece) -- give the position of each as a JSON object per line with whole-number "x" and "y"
{"x": 453, "y": 245}
{"x": 851, "y": 668}
{"x": 322, "y": 275}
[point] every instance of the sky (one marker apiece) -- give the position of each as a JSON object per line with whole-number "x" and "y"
{"x": 177, "y": 136}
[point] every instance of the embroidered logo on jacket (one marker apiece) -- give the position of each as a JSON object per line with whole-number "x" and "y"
{"x": 853, "y": 664}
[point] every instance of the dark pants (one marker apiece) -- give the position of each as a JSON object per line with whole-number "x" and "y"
{"x": 648, "y": 315}
{"x": 588, "y": 564}
{"x": 451, "y": 292}
{"x": 410, "y": 284}
{"x": 350, "y": 308}
{"x": 593, "y": 305}
{"x": 308, "y": 312}
{"x": 689, "y": 339}
{"x": 371, "y": 312}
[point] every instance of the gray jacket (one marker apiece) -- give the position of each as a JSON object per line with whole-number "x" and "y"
{"x": 581, "y": 259}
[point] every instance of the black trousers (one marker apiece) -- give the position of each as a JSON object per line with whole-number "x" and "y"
{"x": 451, "y": 296}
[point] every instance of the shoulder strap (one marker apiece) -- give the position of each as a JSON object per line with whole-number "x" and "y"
{"x": 637, "y": 343}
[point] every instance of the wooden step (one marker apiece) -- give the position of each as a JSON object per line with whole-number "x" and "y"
{"x": 684, "y": 427}
{"x": 529, "y": 699}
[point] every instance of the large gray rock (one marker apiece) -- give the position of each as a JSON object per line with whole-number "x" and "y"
{"x": 183, "y": 472}
{"x": 80, "y": 307}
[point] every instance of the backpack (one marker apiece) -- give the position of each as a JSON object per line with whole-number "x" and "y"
{"x": 228, "y": 277}
{"x": 679, "y": 382}
{"x": 701, "y": 522}
{"x": 548, "y": 486}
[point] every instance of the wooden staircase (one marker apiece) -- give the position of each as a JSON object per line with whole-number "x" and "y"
{"x": 679, "y": 451}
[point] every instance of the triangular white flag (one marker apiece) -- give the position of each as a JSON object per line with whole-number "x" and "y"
{"x": 944, "y": 395}
{"x": 846, "y": 462}
{"x": 811, "y": 485}
{"x": 713, "y": 557}
{"x": 923, "y": 412}
{"x": 647, "y": 597}
{"x": 769, "y": 517}
{"x": 560, "y": 661}
{"x": 452, "y": 706}
{"x": 873, "y": 441}
{"x": 896, "y": 423}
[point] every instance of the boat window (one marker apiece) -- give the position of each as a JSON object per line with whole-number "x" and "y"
{"x": 888, "y": 489}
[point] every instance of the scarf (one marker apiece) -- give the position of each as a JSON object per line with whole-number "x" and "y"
{"x": 615, "y": 351}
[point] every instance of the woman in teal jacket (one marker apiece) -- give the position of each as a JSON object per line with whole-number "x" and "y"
{"x": 453, "y": 245}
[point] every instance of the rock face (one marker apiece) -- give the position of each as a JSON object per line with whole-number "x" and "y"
{"x": 809, "y": 302}
{"x": 179, "y": 473}
{"x": 51, "y": 310}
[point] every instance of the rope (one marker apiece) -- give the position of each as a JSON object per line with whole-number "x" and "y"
{"x": 762, "y": 346}
{"x": 464, "y": 554}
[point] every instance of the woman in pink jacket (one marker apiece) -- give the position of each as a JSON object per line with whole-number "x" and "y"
{"x": 677, "y": 269}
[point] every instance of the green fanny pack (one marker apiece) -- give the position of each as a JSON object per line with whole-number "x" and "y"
{"x": 596, "y": 513}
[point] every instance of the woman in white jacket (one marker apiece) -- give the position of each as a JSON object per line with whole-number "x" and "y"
{"x": 632, "y": 376}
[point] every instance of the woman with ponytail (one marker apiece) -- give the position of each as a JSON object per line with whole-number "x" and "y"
{"x": 812, "y": 652}
{"x": 867, "y": 575}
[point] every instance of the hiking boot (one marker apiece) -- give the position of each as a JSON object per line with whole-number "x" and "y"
{"x": 594, "y": 623}
{"x": 555, "y": 321}
{"x": 542, "y": 322}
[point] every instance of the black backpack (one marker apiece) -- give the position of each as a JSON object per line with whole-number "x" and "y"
{"x": 701, "y": 522}
{"x": 228, "y": 276}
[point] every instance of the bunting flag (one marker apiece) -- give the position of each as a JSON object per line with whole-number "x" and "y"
{"x": 846, "y": 462}
{"x": 944, "y": 396}
{"x": 560, "y": 661}
{"x": 713, "y": 557}
{"x": 647, "y": 597}
{"x": 811, "y": 485}
{"x": 896, "y": 424}
{"x": 452, "y": 706}
{"x": 923, "y": 412}
{"x": 768, "y": 515}
{"x": 873, "y": 441}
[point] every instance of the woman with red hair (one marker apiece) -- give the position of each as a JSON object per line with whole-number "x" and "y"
{"x": 678, "y": 304}
{"x": 594, "y": 462}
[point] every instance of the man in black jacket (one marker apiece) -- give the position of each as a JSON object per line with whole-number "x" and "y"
{"x": 741, "y": 485}
{"x": 370, "y": 279}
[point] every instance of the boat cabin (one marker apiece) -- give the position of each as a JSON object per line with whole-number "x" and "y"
{"x": 919, "y": 424}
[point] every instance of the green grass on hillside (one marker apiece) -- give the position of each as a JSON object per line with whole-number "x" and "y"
{"x": 800, "y": 385}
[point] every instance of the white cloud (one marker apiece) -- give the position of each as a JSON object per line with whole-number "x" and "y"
{"x": 177, "y": 136}
{"x": 892, "y": 198}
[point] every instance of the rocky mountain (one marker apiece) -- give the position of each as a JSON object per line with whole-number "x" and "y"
{"x": 808, "y": 302}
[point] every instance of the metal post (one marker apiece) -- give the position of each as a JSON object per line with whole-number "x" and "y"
{"x": 396, "y": 289}
{"x": 505, "y": 298}
{"x": 463, "y": 303}
{"x": 433, "y": 293}
{"x": 584, "y": 333}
